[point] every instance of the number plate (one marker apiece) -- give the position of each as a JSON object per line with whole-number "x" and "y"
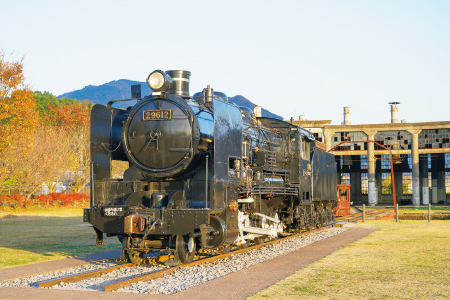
{"x": 112, "y": 211}
{"x": 155, "y": 115}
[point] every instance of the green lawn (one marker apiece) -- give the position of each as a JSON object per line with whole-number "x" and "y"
{"x": 408, "y": 260}
{"x": 424, "y": 210}
{"x": 37, "y": 235}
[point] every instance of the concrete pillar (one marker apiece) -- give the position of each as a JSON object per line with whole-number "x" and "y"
{"x": 415, "y": 167}
{"x": 372, "y": 199}
{"x": 328, "y": 138}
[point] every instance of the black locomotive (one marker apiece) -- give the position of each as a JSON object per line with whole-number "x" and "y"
{"x": 203, "y": 173}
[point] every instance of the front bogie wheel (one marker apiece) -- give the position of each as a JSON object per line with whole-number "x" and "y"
{"x": 136, "y": 257}
{"x": 185, "y": 248}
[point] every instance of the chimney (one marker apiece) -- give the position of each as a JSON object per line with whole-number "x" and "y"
{"x": 302, "y": 118}
{"x": 394, "y": 112}
{"x": 180, "y": 82}
{"x": 257, "y": 111}
{"x": 347, "y": 120}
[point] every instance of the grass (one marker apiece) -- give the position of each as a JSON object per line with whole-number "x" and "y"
{"x": 40, "y": 234}
{"x": 421, "y": 209}
{"x": 424, "y": 210}
{"x": 408, "y": 260}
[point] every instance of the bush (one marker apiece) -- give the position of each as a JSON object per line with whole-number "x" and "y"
{"x": 73, "y": 200}
{"x": 50, "y": 200}
{"x": 47, "y": 200}
{"x": 16, "y": 201}
{"x": 4, "y": 200}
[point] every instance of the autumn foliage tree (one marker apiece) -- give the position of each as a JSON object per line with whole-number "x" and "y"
{"x": 74, "y": 119}
{"x": 44, "y": 140}
{"x": 18, "y": 118}
{"x": 60, "y": 151}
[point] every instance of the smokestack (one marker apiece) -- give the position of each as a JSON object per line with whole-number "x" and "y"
{"x": 394, "y": 112}
{"x": 257, "y": 111}
{"x": 180, "y": 81}
{"x": 347, "y": 120}
{"x": 302, "y": 118}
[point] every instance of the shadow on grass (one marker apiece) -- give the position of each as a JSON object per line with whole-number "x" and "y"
{"x": 29, "y": 239}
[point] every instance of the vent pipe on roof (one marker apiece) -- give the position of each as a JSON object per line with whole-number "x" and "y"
{"x": 347, "y": 120}
{"x": 257, "y": 111}
{"x": 394, "y": 112}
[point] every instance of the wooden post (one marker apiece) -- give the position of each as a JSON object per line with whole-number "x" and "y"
{"x": 396, "y": 213}
{"x": 429, "y": 212}
{"x": 364, "y": 213}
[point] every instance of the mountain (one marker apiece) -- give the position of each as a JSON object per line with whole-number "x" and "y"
{"x": 114, "y": 90}
{"x": 121, "y": 89}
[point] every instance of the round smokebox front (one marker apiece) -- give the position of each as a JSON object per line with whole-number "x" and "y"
{"x": 158, "y": 135}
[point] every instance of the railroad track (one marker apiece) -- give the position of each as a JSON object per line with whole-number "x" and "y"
{"x": 110, "y": 280}
{"x": 358, "y": 216}
{"x": 163, "y": 271}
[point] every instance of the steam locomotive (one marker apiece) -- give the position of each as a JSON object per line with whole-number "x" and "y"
{"x": 203, "y": 173}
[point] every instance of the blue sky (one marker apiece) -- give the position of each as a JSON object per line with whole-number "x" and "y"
{"x": 294, "y": 58}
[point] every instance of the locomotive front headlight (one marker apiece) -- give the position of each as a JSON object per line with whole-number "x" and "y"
{"x": 159, "y": 81}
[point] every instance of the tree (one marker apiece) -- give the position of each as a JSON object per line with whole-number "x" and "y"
{"x": 18, "y": 118}
{"x": 75, "y": 120}
{"x": 44, "y": 100}
{"x": 47, "y": 162}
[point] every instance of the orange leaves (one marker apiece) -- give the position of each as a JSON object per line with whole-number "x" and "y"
{"x": 39, "y": 149}
{"x": 16, "y": 201}
{"x": 18, "y": 116}
{"x": 57, "y": 199}
{"x": 51, "y": 200}
{"x": 11, "y": 76}
{"x": 69, "y": 116}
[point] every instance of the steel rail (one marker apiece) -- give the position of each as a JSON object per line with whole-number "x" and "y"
{"x": 357, "y": 216}
{"x": 369, "y": 212}
{"x": 353, "y": 216}
{"x": 79, "y": 277}
{"x": 374, "y": 214}
{"x": 87, "y": 275}
{"x": 162, "y": 273}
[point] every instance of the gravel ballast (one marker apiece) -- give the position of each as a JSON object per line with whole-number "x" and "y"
{"x": 182, "y": 278}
